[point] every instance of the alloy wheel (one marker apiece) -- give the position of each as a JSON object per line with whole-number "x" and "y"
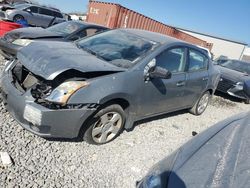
{"x": 107, "y": 127}
{"x": 203, "y": 103}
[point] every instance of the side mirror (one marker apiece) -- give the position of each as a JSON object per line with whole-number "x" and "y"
{"x": 159, "y": 72}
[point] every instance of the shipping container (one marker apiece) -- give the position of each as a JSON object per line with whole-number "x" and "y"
{"x": 113, "y": 15}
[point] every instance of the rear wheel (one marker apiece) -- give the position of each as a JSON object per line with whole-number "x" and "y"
{"x": 201, "y": 105}
{"x": 105, "y": 126}
{"x": 18, "y": 17}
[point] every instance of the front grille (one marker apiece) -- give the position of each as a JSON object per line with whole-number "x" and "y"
{"x": 225, "y": 84}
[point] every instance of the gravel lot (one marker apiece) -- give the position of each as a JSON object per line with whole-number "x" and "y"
{"x": 42, "y": 163}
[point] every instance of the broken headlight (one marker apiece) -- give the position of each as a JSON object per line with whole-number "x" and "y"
{"x": 63, "y": 92}
{"x": 22, "y": 42}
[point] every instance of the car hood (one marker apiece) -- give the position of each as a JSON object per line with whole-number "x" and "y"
{"x": 233, "y": 75}
{"x": 49, "y": 59}
{"x": 218, "y": 157}
{"x": 33, "y": 33}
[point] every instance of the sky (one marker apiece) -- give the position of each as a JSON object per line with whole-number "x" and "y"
{"x": 223, "y": 18}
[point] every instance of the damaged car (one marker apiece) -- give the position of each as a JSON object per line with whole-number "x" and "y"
{"x": 35, "y": 15}
{"x": 102, "y": 84}
{"x": 235, "y": 79}
{"x": 217, "y": 157}
{"x": 70, "y": 31}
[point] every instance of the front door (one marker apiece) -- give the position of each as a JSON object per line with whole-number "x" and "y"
{"x": 165, "y": 95}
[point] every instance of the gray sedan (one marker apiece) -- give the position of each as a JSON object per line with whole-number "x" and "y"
{"x": 69, "y": 31}
{"x": 95, "y": 88}
{"x": 35, "y": 15}
{"x": 235, "y": 79}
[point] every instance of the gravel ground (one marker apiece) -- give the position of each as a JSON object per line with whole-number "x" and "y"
{"x": 42, "y": 163}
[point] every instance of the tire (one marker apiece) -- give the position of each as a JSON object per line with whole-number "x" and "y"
{"x": 201, "y": 105}
{"x": 101, "y": 129}
{"x": 247, "y": 101}
{"x": 18, "y": 17}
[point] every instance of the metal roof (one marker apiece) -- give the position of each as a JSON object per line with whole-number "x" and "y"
{"x": 157, "y": 37}
{"x": 209, "y": 35}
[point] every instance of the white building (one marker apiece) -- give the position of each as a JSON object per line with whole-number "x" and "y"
{"x": 78, "y": 17}
{"x": 226, "y": 47}
{"x": 246, "y": 55}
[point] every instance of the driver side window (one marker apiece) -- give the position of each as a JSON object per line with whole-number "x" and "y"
{"x": 172, "y": 59}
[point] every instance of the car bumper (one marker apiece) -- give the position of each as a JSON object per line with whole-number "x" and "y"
{"x": 8, "y": 50}
{"x": 234, "y": 90}
{"x": 44, "y": 122}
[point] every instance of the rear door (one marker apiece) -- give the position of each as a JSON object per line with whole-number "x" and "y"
{"x": 46, "y": 17}
{"x": 197, "y": 75}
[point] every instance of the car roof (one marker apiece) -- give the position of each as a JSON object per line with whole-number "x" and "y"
{"x": 40, "y": 6}
{"x": 157, "y": 37}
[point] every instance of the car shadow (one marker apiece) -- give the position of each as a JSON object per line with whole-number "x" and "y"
{"x": 158, "y": 117}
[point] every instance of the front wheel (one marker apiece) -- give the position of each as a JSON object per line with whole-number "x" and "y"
{"x": 105, "y": 126}
{"x": 18, "y": 17}
{"x": 201, "y": 105}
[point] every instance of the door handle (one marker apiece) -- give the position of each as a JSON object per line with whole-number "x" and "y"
{"x": 180, "y": 84}
{"x": 205, "y": 78}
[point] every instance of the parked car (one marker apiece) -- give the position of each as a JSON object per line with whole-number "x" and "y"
{"x": 218, "y": 157}
{"x": 98, "y": 86}
{"x": 221, "y": 59}
{"x": 235, "y": 79}
{"x": 66, "y": 31}
{"x": 35, "y": 15}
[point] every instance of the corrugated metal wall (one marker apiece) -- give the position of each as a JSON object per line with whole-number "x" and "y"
{"x": 116, "y": 16}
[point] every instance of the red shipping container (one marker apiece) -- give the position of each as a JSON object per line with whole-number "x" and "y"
{"x": 114, "y": 15}
{"x": 8, "y": 26}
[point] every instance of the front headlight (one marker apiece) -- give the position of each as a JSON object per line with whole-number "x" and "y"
{"x": 22, "y": 42}
{"x": 239, "y": 85}
{"x": 63, "y": 92}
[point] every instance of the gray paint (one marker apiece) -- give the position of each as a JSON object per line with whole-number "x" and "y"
{"x": 9, "y": 50}
{"x": 218, "y": 157}
{"x": 146, "y": 98}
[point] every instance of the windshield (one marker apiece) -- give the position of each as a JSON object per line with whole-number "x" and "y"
{"x": 65, "y": 28}
{"x": 20, "y": 6}
{"x": 237, "y": 65}
{"x": 117, "y": 47}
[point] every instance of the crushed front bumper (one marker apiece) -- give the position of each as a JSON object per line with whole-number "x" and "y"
{"x": 44, "y": 122}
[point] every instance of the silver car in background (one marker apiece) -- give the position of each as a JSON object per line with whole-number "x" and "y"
{"x": 34, "y": 14}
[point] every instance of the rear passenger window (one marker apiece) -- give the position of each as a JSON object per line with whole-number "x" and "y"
{"x": 172, "y": 60}
{"x": 46, "y": 12}
{"x": 33, "y": 9}
{"x": 197, "y": 61}
{"x": 58, "y": 15}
